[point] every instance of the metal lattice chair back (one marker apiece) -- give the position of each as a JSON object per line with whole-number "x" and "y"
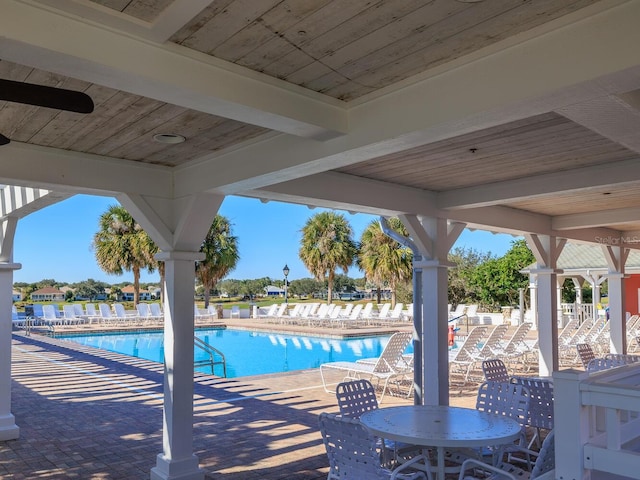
{"x": 509, "y": 399}
{"x": 546, "y": 460}
{"x": 352, "y": 450}
{"x": 598, "y": 364}
{"x": 495, "y": 370}
{"x": 356, "y": 397}
{"x": 540, "y": 401}
{"x": 624, "y": 358}
{"x": 585, "y": 352}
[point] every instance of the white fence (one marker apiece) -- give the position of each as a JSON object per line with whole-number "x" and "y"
{"x": 597, "y": 423}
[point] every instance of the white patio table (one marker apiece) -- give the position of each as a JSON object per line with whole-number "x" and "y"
{"x": 441, "y": 427}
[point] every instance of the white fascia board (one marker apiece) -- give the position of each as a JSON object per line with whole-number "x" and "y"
{"x": 350, "y": 193}
{"x": 170, "y": 73}
{"x": 70, "y": 172}
{"x": 610, "y": 174}
{"x": 594, "y": 219}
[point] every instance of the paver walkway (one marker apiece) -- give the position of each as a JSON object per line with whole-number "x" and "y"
{"x": 90, "y": 414}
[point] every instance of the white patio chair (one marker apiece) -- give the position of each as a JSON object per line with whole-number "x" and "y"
{"x": 357, "y": 397}
{"x": 91, "y": 312}
{"x": 235, "y": 311}
{"x": 544, "y": 466}
{"x": 391, "y": 365}
{"x": 69, "y": 315}
{"x": 495, "y": 370}
{"x": 49, "y": 315}
{"x": 353, "y": 452}
{"x": 106, "y": 317}
{"x": 541, "y": 400}
{"x": 156, "y": 310}
{"x": 463, "y": 358}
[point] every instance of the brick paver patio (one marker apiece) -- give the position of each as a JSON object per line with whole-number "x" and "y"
{"x": 90, "y": 414}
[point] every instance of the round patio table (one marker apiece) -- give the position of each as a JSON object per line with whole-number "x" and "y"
{"x": 441, "y": 427}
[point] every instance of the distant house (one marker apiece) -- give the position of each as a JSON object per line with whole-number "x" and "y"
{"x": 17, "y": 296}
{"x": 273, "y": 291}
{"x": 48, "y": 294}
{"x": 127, "y": 294}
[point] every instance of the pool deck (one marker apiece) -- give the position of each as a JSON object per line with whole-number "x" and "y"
{"x": 90, "y": 414}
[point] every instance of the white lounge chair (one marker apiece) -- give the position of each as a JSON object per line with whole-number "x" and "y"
{"x": 391, "y": 365}
{"x": 49, "y": 315}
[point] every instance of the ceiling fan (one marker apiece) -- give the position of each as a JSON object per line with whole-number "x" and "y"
{"x": 43, "y": 96}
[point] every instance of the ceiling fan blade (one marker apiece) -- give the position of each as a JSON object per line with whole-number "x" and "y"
{"x": 3, "y": 140}
{"x": 42, "y": 96}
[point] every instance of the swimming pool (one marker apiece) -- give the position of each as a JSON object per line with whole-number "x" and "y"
{"x": 246, "y": 352}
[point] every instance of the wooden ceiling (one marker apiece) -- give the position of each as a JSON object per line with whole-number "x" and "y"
{"x": 306, "y": 73}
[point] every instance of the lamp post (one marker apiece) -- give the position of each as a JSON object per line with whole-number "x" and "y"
{"x": 285, "y": 270}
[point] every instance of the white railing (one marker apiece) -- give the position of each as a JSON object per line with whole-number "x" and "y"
{"x": 597, "y": 423}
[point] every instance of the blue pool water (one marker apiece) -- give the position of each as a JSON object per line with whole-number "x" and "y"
{"x": 246, "y": 353}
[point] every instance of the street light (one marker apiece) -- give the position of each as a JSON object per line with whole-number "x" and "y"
{"x": 285, "y": 270}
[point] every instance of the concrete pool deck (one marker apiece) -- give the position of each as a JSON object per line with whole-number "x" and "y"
{"x": 91, "y": 414}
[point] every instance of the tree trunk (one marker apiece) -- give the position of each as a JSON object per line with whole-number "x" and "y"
{"x": 379, "y": 295}
{"x": 136, "y": 285}
{"x": 207, "y": 296}
{"x": 329, "y": 287}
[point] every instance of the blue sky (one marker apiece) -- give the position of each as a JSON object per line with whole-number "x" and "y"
{"x": 55, "y": 242}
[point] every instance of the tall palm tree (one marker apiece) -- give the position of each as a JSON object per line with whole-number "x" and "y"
{"x": 221, "y": 255}
{"x": 122, "y": 245}
{"x": 327, "y": 244}
{"x": 382, "y": 258}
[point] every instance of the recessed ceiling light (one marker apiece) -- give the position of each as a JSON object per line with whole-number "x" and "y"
{"x": 168, "y": 138}
{"x": 470, "y": 1}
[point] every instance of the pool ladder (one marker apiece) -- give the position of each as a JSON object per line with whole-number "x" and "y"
{"x": 214, "y": 357}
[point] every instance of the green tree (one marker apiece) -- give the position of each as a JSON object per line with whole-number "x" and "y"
{"x": 122, "y": 245}
{"x": 498, "y": 280}
{"x": 383, "y": 260}
{"x": 305, "y": 287}
{"x": 460, "y": 286}
{"x": 327, "y": 244}
{"x": 221, "y": 255}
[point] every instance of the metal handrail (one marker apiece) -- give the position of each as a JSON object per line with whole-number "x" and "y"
{"x": 211, "y": 351}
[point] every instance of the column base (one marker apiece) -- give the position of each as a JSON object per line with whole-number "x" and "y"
{"x": 8, "y": 428}
{"x": 185, "y": 469}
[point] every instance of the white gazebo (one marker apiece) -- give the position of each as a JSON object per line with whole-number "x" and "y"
{"x": 509, "y": 116}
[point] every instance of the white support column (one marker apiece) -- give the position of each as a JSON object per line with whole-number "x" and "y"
{"x": 8, "y": 428}
{"x": 560, "y": 315}
{"x": 533, "y": 299}
{"x": 547, "y": 249}
{"x": 616, "y": 257}
{"x": 577, "y": 285}
{"x": 435, "y": 349}
{"x": 571, "y": 425}
{"x": 177, "y": 460}
{"x": 178, "y": 227}
{"x": 434, "y": 238}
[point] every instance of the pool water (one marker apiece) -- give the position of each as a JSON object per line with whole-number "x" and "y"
{"x": 246, "y": 352}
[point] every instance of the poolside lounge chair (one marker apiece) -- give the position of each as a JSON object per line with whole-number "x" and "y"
{"x": 49, "y": 315}
{"x": 391, "y": 365}
{"x": 465, "y": 356}
{"x": 16, "y": 321}
{"x": 70, "y": 316}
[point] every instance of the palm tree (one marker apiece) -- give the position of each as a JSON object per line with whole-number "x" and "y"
{"x": 327, "y": 244}
{"x": 122, "y": 245}
{"x": 382, "y": 258}
{"x": 221, "y": 255}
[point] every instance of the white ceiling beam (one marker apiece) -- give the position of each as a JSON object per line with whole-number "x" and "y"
{"x": 175, "y": 16}
{"x": 69, "y": 172}
{"x": 169, "y": 73}
{"x": 508, "y": 85}
{"x": 609, "y": 174}
{"x": 595, "y": 219}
